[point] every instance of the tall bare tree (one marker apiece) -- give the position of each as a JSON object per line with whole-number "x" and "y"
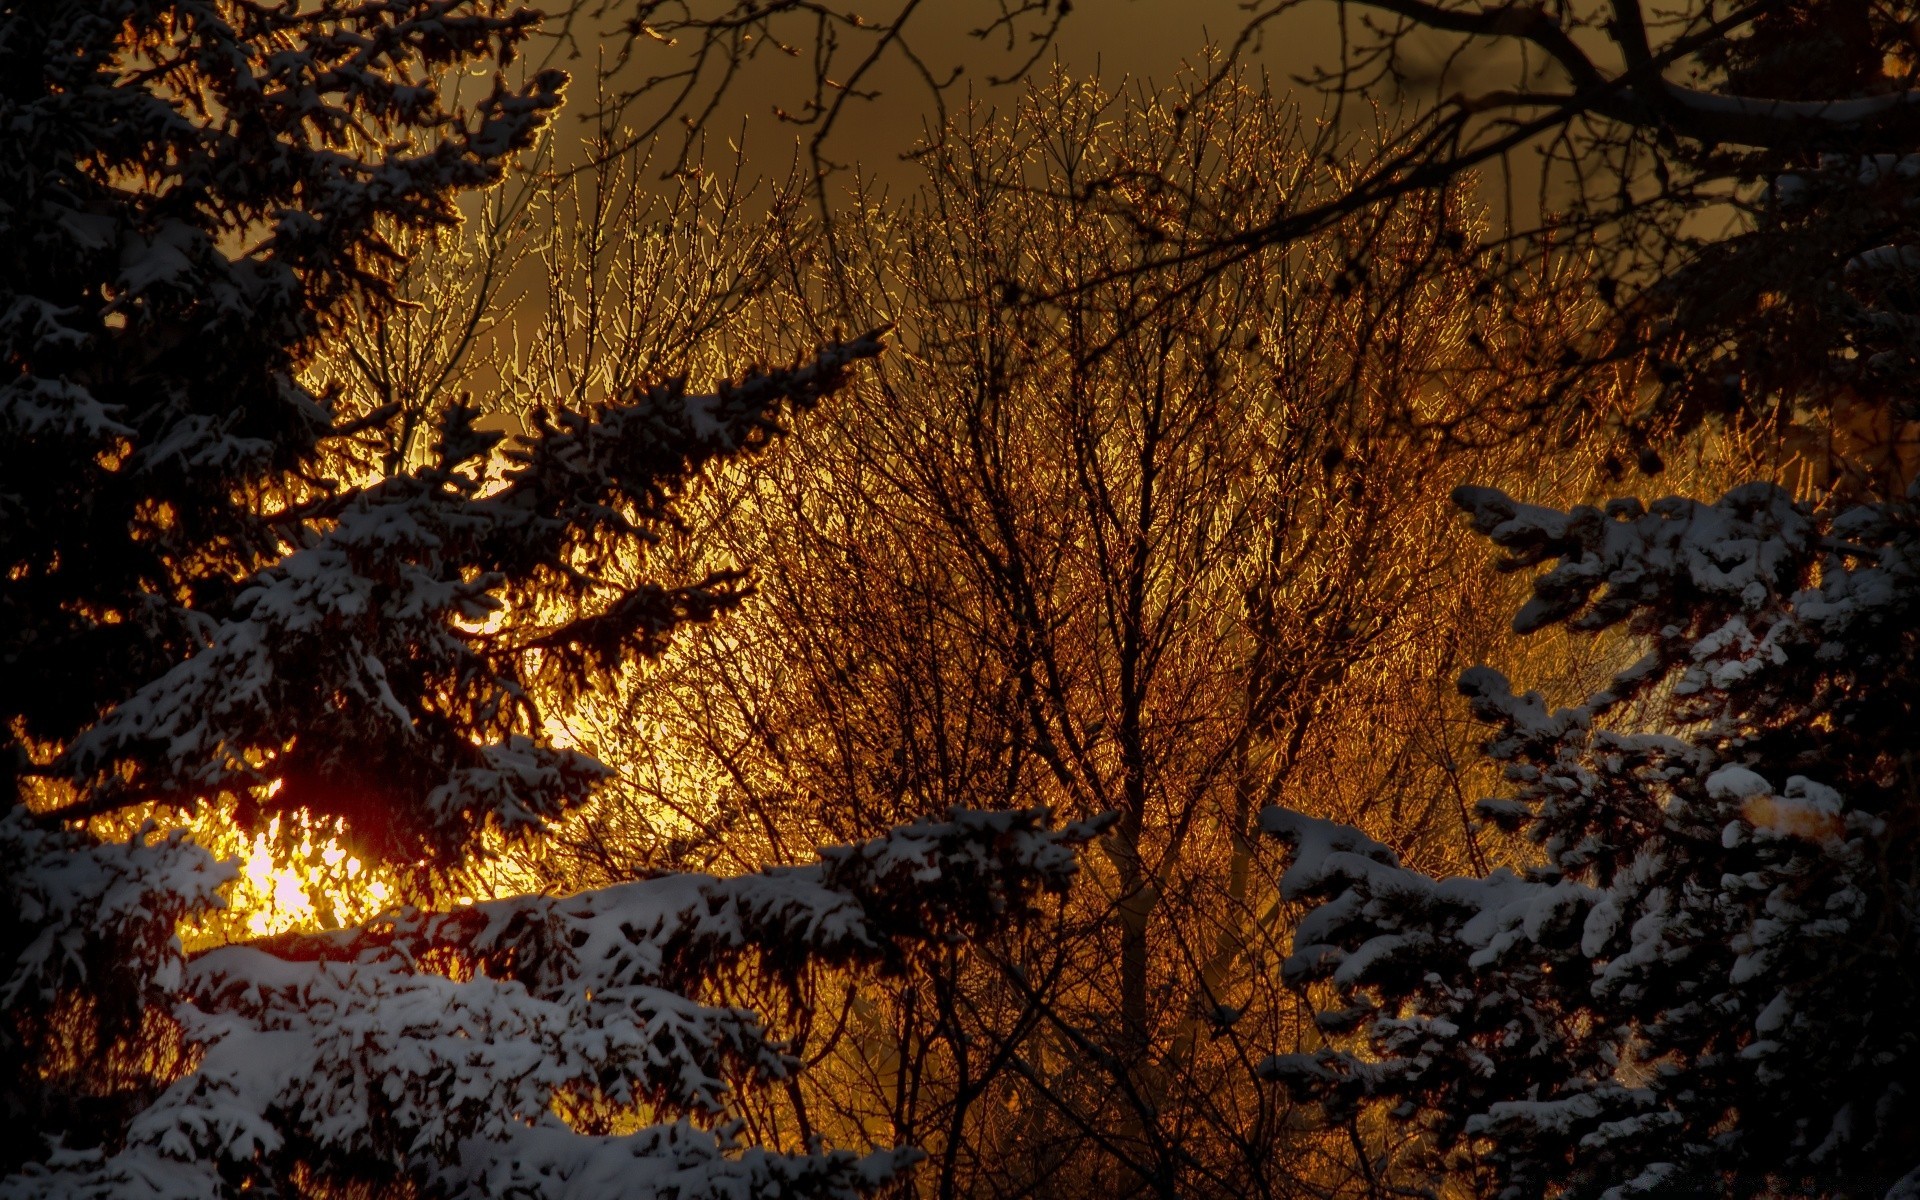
{"x": 1128, "y": 553}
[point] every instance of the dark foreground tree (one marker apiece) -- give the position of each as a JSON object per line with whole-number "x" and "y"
{"x": 1700, "y": 985}
{"x": 215, "y": 607}
{"x": 1706, "y": 985}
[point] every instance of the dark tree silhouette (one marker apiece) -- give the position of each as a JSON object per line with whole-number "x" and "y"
{"x": 216, "y": 603}
{"x": 1703, "y": 986}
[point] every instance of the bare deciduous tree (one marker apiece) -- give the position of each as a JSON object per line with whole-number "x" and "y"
{"x": 1128, "y": 552}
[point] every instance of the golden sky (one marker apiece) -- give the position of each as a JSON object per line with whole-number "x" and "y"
{"x": 1113, "y": 39}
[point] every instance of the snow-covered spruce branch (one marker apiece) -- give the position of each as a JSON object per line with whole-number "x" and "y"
{"x": 1705, "y": 982}
{"x": 358, "y": 636}
{"x": 863, "y": 904}
{"x": 350, "y": 1047}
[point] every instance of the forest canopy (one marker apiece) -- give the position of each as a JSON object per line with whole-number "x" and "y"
{"x": 1335, "y": 621}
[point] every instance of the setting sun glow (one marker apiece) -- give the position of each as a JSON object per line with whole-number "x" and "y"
{"x": 317, "y": 884}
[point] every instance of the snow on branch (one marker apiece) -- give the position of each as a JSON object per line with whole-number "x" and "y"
{"x": 1746, "y": 546}
{"x": 442, "y": 1046}
{"x": 863, "y": 904}
{"x": 80, "y": 906}
{"x": 1666, "y": 969}
{"x": 362, "y": 637}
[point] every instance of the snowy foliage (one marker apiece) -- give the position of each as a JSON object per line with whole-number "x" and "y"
{"x": 1706, "y": 985}
{"x": 349, "y": 672}
{"x": 214, "y": 602}
{"x": 80, "y": 909}
{"x": 347, "y": 1053}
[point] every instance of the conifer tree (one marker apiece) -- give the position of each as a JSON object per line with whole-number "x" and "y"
{"x": 1705, "y": 985}
{"x": 1699, "y": 983}
{"x": 213, "y": 603}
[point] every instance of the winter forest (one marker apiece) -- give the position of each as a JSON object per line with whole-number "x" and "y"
{"x": 982, "y": 600}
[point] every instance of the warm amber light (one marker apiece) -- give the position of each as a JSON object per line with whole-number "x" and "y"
{"x": 310, "y": 884}
{"x": 296, "y": 874}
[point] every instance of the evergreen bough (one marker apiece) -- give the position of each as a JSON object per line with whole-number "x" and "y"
{"x": 1706, "y": 985}
{"x": 213, "y": 603}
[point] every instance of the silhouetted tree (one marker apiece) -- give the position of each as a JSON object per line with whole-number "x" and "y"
{"x": 1703, "y": 987}
{"x": 1696, "y": 988}
{"x": 214, "y": 604}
